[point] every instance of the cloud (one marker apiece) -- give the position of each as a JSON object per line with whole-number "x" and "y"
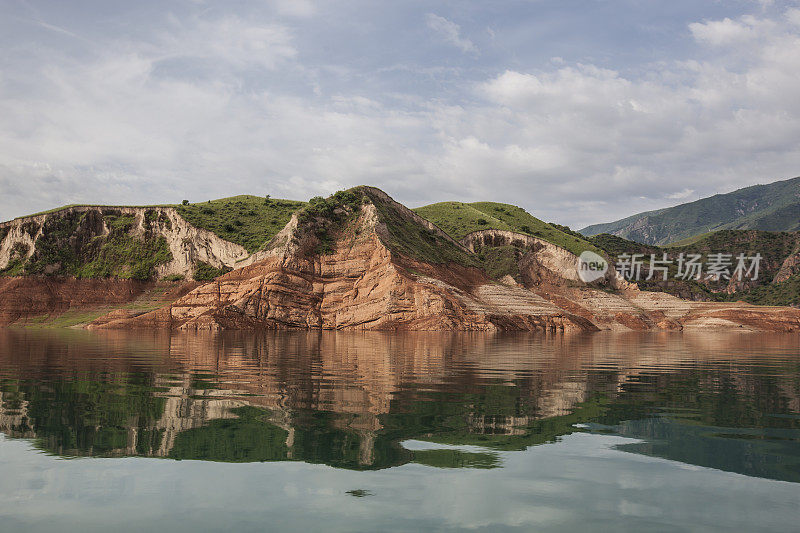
{"x": 449, "y": 32}
{"x": 201, "y": 108}
{"x": 722, "y": 32}
{"x": 231, "y": 40}
{"x": 727, "y": 32}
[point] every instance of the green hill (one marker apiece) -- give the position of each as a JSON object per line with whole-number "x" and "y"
{"x": 772, "y": 207}
{"x": 774, "y": 248}
{"x": 247, "y": 220}
{"x": 459, "y": 219}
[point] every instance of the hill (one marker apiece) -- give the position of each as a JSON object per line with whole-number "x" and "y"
{"x": 355, "y": 260}
{"x": 249, "y": 221}
{"x": 458, "y": 220}
{"x": 778, "y": 280}
{"x": 771, "y": 207}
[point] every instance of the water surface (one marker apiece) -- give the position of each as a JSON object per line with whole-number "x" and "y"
{"x": 372, "y": 431}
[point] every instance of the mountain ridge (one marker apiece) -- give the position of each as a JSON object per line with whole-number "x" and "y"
{"x": 771, "y": 207}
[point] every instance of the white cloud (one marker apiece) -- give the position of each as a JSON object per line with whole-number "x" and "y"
{"x": 574, "y": 143}
{"x": 722, "y": 32}
{"x": 450, "y": 32}
{"x": 230, "y": 39}
{"x": 793, "y": 16}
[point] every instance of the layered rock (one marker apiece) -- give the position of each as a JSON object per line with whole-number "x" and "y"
{"x": 385, "y": 271}
{"x": 362, "y": 284}
{"x": 23, "y": 299}
{"x": 358, "y": 260}
{"x": 85, "y": 229}
{"x": 540, "y": 263}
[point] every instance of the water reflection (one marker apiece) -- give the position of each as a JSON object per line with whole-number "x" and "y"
{"x": 730, "y": 402}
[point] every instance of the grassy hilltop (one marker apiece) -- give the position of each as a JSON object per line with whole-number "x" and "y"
{"x": 249, "y": 221}
{"x": 459, "y": 219}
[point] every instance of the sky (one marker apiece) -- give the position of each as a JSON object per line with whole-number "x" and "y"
{"x": 579, "y": 111}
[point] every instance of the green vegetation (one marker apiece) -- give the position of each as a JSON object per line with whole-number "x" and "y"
{"x": 500, "y": 261}
{"x": 784, "y": 293}
{"x": 205, "y": 272}
{"x": 327, "y": 217}
{"x": 248, "y": 438}
{"x": 16, "y": 262}
{"x": 414, "y": 240}
{"x": 250, "y": 221}
{"x": 54, "y": 247}
{"x": 773, "y": 207}
{"x": 774, "y": 247}
{"x": 458, "y": 220}
{"x": 69, "y": 246}
{"x": 124, "y": 256}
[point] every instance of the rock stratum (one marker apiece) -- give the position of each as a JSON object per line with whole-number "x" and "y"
{"x": 141, "y": 243}
{"x": 355, "y": 261}
{"x": 361, "y": 261}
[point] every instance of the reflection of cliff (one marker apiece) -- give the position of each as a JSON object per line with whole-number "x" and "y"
{"x": 349, "y": 399}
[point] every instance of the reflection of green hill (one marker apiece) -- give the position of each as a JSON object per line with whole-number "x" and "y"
{"x": 532, "y": 434}
{"x": 767, "y": 453}
{"x": 245, "y": 439}
{"x": 709, "y": 415}
{"x": 89, "y": 417}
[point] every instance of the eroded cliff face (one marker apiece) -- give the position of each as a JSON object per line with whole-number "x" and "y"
{"x": 540, "y": 263}
{"x": 356, "y": 261}
{"x": 362, "y": 284}
{"x": 97, "y": 241}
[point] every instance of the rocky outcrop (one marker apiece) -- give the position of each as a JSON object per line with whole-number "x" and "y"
{"x": 82, "y": 230}
{"x": 362, "y": 284}
{"x": 368, "y": 280}
{"x": 789, "y": 267}
{"x": 540, "y": 263}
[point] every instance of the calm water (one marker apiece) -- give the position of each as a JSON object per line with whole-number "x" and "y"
{"x": 376, "y": 432}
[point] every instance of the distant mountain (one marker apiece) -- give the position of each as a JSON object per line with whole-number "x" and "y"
{"x": 772, "y": 207}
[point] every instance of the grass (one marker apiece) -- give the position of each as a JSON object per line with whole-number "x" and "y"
{"x": 414, "y": 240}
{"x": 67, "y": 247}
{"x": 150, "y": 300}
{"x": 205, "y": 272}
{"x": 247, "y": 220}
{"x": 499, "y": 261}
{"x": 326, "y": 218}
{"x": 250, "y": 221}
{"x": 67, "y": 319}
{"x": 459, "y": 219}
